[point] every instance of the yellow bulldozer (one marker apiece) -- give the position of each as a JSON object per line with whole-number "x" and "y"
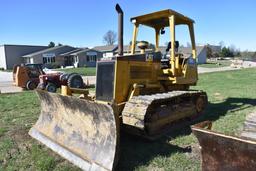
{"x": 142, "y": 93}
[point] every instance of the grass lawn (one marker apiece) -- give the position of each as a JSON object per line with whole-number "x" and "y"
{"x": 231, "y": 97}
{"x": 7, "y": 70}
{"x": 85, "y": 71}
{"x": 217, "y": 64}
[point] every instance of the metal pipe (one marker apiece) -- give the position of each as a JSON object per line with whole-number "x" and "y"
{"x": 120, "y": 29}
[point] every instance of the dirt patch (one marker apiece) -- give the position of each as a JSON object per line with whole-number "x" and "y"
{"x": 19, "y": 134}
{"x": 14, "y": 144}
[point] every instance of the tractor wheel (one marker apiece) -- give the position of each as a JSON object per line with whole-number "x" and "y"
{"x": 73, "y": 73}
{"x": 75, "y": 81}
{"x": 50, "y": 87}
{"x": 64, "y": 77}
{"x": 31, "y": 85}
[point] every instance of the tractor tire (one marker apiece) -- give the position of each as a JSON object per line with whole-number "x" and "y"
{"x": 64, "y": 77}
{"x": 75, "y": 81}
{"x": 50, "y": 87}
{"x": 73, "y": 73}
{"x": 31, "y": 85}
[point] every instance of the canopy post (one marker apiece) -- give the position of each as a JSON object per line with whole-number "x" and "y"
{"x": 134, "y": 38}
{"x": 172, "y": 52}
{"x": 157, "y": 30}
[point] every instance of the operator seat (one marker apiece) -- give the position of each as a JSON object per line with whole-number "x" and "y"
{"x": 165, "y": 62}
{"x": 169, "y": 46}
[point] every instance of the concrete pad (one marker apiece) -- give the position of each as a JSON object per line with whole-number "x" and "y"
{"x": 8, "y": 87}
{"x": 5, "y": 76}
{"x": 6, "y": 83}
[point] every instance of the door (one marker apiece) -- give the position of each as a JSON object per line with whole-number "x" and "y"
{"x": 68, "y": 61}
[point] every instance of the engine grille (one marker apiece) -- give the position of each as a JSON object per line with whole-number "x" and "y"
{"x": 105, "y": 80}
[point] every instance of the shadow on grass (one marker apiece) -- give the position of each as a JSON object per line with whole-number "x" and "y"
{"x": 215, "y": 110}
{"x": 136, "y": 151}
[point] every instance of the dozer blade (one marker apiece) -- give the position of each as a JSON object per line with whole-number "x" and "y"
{"x": 82, "y": 131}
{"x": 223, "y": 152}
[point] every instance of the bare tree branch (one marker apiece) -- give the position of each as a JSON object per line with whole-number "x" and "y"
{"x": 109, "y": 38}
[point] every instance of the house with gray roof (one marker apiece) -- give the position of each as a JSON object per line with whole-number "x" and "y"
{"x": 10, "y": 55}
{"x": 187, "y": 51}
{"x": 49, "y": 56}
{"x": 57, "y": 56}
{"x": 109, "y": 51}
{"x": 82, "y": 57}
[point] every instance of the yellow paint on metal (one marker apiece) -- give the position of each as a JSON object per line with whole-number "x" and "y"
{"x": 172, "y": 52}
{"x": 162, "y": 18}
{"x": 89, "y": 130}
{"x": 134, "y": 37}
{"x": 82, "y": 131}
{"x": 65, "y": 91}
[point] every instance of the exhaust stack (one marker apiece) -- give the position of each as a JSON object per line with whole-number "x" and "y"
{"x": 120, "y": 29}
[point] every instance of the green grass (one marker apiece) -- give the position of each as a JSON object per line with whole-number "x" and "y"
{"x": 85, "y": 71}
{"x": 7, "y": 70}
{"x": 231, "y": 96}
{"x": 18, "y": 151}
{"x": 217, "y": 64}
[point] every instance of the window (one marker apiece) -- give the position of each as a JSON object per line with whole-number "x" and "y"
{"x": 91, "y": 58}
{"x": 29, "y": 60}
{"x": 47, "y": 60}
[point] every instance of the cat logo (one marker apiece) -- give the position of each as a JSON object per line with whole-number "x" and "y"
{"x": 149, "y": 57}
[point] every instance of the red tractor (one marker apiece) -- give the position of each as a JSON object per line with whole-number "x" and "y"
{"x": 31, "y": 76}
{"x": 51, "y": 82}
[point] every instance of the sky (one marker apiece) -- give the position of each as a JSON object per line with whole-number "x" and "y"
{"x": 83, "y": 23}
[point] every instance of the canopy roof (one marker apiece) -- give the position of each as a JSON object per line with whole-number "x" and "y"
{"x": 160, "y": 19}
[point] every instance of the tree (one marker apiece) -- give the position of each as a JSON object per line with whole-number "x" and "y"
{"x": 238, "y": 53}
{"x": 226, "y": 52}
{"x": 254, "y": 55}
{"x": 59, "y": 44}
{"x": 109, "y": 38}
{"x": 51, "y": 44}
